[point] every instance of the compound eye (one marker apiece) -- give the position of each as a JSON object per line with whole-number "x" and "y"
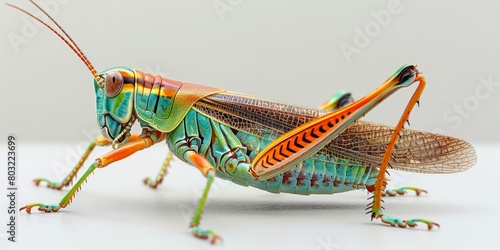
{"x": 114, "y": 83}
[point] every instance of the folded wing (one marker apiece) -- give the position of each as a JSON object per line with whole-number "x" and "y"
{"x": 362, "y": 143}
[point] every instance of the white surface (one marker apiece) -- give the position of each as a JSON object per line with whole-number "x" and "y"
{"x": 288, "y": 50}
{"x": 114, "y": 210}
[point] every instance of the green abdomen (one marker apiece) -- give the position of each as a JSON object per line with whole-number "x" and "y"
{"x": 319, "y": 174}
{"x": 227, "y": 148}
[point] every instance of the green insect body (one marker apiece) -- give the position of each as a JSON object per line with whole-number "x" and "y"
{"x": 319, "y": 174}
{"x": 262, "y": 143}
{"x": 152, "y": 100}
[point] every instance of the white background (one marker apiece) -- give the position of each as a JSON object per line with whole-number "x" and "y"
{"x": 285, "y": 50}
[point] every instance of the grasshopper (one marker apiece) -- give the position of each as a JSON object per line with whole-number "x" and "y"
{"x": 266, "y": 144}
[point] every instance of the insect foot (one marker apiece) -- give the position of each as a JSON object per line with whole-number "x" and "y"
{"x": 50, "y": 184}
{"x": 402, "y": 191}
{"x": 205, "y": 234}
{"x": 163, "y": 171}
{"x": 151, "y": 183}
{"x": 393, "y": 221}
{"x": 41, "y": 207}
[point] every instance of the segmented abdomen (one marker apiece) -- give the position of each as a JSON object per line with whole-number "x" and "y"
{"x": 228, "y": 149}
{"x": 319, "y": 174}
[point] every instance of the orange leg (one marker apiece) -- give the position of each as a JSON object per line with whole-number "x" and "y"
{"x": 99, "y": 141}
{"x": 376, "y": 206}
{"x": 101, "y": 162}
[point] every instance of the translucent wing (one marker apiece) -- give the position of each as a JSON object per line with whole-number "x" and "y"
{"x": 362, "y": 142}
{"x": 416, "y": 151}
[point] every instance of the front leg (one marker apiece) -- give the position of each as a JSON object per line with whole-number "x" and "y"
{"x": 98, "y": 141}
{"x": 117, "y": 154}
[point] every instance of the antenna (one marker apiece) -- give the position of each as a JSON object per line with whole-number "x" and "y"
{"x": 67, "y": 40}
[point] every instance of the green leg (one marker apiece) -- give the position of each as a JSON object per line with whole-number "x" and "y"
{"x": 163, "y": 171}
{"x": 66, "y": 199}
{"x": 195, "y": 222}
{"x": 208, "y": 171}
{"x": 103, "y": 161}
{"x": 101, "y": 141}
